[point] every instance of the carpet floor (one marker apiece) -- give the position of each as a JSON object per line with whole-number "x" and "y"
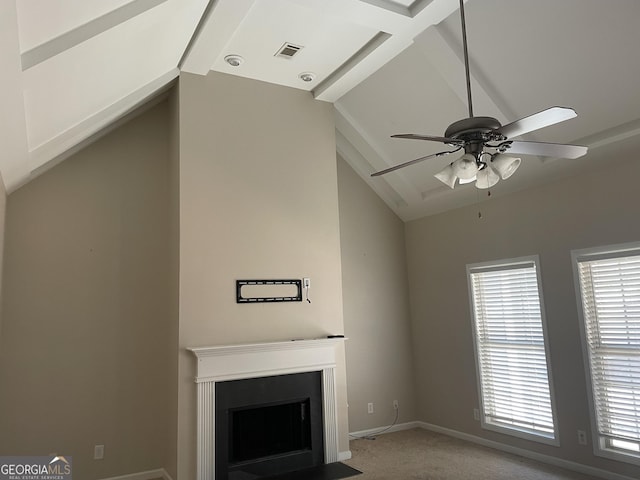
{"x": 423, "y": 455}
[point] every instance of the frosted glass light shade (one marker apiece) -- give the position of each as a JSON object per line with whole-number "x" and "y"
{"x": 505, "y": 165}
{"x": 467, "y": 180}
{"x": 465, "y": 167}
{"x": 487, "y": 177}
{"x": 447, "y": 176}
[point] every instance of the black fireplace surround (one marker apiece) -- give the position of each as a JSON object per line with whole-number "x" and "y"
{"x": 269, "y": 425}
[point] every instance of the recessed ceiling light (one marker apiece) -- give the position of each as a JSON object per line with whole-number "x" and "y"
{"x": 307, "y": 76}
{"x": 234, "y": 60}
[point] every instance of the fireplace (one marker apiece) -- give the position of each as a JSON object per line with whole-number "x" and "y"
{"x": 245, "y": 389}
{"x": 268, "y": 425}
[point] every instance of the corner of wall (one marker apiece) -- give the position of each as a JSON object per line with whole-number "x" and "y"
{"x": 171, "y": 465}
{"x": 3, "y": 208}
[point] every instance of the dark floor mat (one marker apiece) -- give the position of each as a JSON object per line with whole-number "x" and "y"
{"x": 330, "y": 471}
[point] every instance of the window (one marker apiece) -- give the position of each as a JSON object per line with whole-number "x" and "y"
{"x": 609, "y": 301}
{"x": 511, "y": 352}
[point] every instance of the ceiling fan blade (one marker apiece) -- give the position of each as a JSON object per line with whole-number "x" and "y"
{"x": 413, "y": 136}
{"x": 412, "y": 162}
{"x": 546, "y": 149}
{"x": 542, "y": 119}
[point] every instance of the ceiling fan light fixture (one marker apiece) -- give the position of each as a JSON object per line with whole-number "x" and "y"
{"x": 487, "y": 177}
{"x": 465, "y": 167}
{"x": 447, "y": 176}
{"x": 505, "y": 165}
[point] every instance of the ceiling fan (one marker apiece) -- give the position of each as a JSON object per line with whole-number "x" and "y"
{"x": 486, "y": 142}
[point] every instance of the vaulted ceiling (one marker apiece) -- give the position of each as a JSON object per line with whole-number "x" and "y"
{"x": 73, "y": 68}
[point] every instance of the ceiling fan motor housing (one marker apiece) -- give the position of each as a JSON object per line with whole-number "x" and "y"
{"x": 475, "y": 129}
{"x": 473, "y": 133}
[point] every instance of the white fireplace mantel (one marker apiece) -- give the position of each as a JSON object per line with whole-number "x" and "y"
{"x": 234, "y": 362}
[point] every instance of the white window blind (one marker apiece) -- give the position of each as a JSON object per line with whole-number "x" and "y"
{"x": 511, "y": 352}
{"x": 610, "y": 297}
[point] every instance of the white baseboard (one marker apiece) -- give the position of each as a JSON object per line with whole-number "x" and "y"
{"x": 342, "y": 456}
{"x": 165, "y": 475}
{"x": 558, "y": 462}
{"x": 382, "y": 430}
{"x": 148, "y": 475}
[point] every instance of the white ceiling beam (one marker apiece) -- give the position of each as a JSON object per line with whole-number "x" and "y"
{"x": 611, "y": 135}
{"x": 13, "y": 128}
{"x": 449, "y": 61}
{"x": 375, "y": 159}
{"x": 390, "y": 6}
{"x": 431, "y": 14}
{"x": 352, "y": 63}
{"x": 84, "y": 32}
{"x": 379, "y": 15}
{"x": 62, "y": 146}
{"x": 354, "y": 158}
{"x": 220, "y": 20}
{"x": 384, "y": 190}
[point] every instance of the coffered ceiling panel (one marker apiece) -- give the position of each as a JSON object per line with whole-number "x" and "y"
{"x": 325, "y": 42}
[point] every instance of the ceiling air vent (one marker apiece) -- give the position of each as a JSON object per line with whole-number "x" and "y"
{"x": 288, "y": 50}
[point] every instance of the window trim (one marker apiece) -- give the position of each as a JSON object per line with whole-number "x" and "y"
{"x": 505, "y": 264}
{"x": 591, "y": 254}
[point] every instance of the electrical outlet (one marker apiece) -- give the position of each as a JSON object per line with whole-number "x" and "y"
{"x": 98, "y": 452}
{"x": 306, "y": 283}
{"x": 395, "y": 404}
{"x": 369, "y": 407}
{"x": 582, "y": 437}
{"x": 476, "y": 414}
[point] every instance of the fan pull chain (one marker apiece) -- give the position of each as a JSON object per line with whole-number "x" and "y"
{"x": 478, "y": 202}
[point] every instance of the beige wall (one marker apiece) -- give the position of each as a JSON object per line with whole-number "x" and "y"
{"x": 3, "y": 208}
{"x": 593, "y": 209}
{"x": 376, "y": 306}
{"x": 84, "y": 347}
{"x": 258, "y": 199}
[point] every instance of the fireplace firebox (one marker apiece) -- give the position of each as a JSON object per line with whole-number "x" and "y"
{"x": 266, "y": 430}
{"x": 268, "y": 425}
